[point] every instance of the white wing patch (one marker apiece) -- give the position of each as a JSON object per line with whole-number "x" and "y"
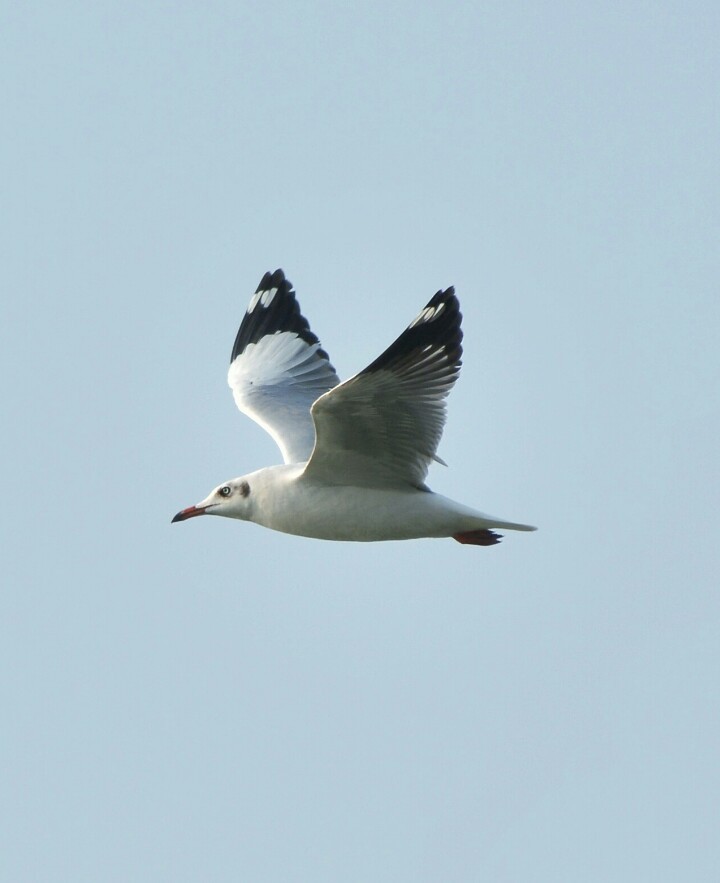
{"x": 267, "y": 297}
{"x": 429, "y": 314}
{"x": 264, "y": 298}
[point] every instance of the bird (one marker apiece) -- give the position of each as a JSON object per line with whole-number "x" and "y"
{"x": 355, "y": 453}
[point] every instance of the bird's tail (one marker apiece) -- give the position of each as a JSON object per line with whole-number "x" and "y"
{"x": 481, "y": 535}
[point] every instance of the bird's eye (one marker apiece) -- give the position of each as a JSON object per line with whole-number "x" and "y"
{"x": 225, "y": 491}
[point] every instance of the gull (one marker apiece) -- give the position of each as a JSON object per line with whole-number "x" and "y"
{"x": 356, "y": 453}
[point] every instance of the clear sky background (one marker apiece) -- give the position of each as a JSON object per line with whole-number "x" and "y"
{"x": 214, "y": 702}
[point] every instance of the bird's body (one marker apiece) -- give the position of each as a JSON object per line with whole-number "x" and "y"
{"x": 284, "y": 499}
{"x": 356, "y": 453}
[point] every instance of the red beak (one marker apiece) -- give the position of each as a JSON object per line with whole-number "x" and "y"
{"x": 190, "y": 512}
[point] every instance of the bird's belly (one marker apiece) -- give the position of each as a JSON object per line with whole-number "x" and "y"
{"x": 360, "y": 514}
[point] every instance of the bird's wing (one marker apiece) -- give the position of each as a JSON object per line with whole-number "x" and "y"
{"x": 382, "y": 427}
{"x": 277, "y": 368}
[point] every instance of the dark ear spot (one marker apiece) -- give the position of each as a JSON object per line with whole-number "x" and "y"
{"x": 244, "y": 489}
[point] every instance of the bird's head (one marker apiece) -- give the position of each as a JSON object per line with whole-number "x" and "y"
{"x": 231, "y": 499}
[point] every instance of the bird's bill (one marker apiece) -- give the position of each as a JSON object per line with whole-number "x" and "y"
{"x": 190, "y": 512}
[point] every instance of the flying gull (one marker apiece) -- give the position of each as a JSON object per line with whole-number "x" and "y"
{"x": 356, "y": 453}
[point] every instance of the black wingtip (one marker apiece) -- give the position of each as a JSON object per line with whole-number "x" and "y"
{"x": 273, "y": 280}
{"x": 273, "y": 314}
{"x": 436, "y": 325}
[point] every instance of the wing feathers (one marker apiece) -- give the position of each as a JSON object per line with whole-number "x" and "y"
{"x": 273, "y": 308}
{"x": 278, "y": 369}
{"x": 383, "y": 426}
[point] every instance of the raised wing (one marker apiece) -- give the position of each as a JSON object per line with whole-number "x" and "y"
{"x": 277, "y": 368}
{"x": 382, "y": 427}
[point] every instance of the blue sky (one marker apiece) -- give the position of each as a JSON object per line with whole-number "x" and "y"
{"x": 211, "y": 701}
